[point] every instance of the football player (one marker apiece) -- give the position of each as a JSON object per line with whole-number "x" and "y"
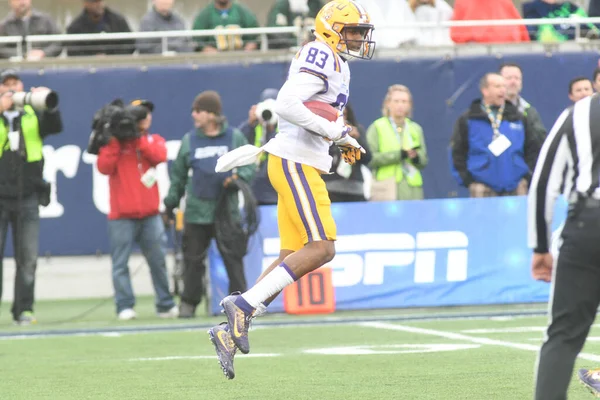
{"x": 299, "y": 154}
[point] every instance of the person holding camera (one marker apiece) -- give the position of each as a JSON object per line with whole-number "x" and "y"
{"x": 25, "y": 120}
{"x": 345, "y": 182}
{"x": 398, "y": 148}
{"x": 129, "y": 159}
{"x": 193, "y": 172}
{"x": 258, "y": 130}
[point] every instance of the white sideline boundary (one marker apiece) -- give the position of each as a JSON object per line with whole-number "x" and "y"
{"x": 175, "y": 358}
{"x": 465, "y": 338}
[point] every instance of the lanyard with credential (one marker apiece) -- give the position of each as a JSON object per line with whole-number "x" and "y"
{"x": 495, "y": 121}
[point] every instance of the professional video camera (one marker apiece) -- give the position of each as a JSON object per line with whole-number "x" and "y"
{"x": 265, "y": 112}
{"x": 114, "y": 119}
{"x": 40, "y": 101}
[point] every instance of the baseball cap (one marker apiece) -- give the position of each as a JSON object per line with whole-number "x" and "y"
{"x": 9, "y": 73}
{"x": 144, "y": 103}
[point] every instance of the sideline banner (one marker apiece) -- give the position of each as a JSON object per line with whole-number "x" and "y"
{"x": 414, "y": 254}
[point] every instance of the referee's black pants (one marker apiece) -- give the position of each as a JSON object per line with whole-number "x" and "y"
{"x": 574, "y": 299}
{"x": 196, "y": 241}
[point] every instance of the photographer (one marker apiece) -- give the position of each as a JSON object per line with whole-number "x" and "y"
{"x": 25, "y": 121}
{"x": 345, "y": 183}
{"x": 259, "y": 129}
{"x": 129, "y": 159}
{"x": 193, "y": 171}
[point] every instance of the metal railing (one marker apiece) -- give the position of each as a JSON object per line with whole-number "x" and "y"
{"x": 164, "y": 36}
{"x": 24, "y": 44}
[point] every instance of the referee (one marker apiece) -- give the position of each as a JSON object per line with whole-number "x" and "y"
{"x": 569, "y": 161}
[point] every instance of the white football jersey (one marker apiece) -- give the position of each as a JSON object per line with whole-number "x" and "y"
{"x": 315, "y": 59}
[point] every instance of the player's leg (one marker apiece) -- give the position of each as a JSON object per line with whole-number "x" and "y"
{"x": 221, "y": 335}
{"x": 305, "y": 197}
{"x": 282, "y": 255}
{"x": 290, "y": 241}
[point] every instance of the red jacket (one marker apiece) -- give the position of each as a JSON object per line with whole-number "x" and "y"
{"x": 480, "y": 9}
{"x": 125, "y": 163}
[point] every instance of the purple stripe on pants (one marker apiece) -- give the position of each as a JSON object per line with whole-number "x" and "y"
{"x": 311, "y": 200}
{"x": 290, "y": 182}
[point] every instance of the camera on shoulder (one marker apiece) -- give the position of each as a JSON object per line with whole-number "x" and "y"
{"x": 113, "y": 120}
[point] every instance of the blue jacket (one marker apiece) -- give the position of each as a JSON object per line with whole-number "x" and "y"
{"x": 472, "y": 161}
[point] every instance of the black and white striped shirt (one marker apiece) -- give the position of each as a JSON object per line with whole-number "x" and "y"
{"x": 570, "y": 158}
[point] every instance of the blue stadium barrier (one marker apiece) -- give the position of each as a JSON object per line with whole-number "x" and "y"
{"x": 447, "y": 252}
{"x": 442, "y": 90}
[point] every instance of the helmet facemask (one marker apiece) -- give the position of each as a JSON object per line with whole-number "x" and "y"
{"x": 359, "y": 46}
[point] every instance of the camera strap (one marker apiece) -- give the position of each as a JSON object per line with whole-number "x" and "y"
{"x": 147, "y": 178}
{"x": 139, "y": 161}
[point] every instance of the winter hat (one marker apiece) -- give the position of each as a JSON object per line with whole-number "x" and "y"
{"x": 208, "y": 101}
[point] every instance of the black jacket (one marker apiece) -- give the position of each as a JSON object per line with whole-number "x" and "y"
{"x": 111, "y": 23}
{"x": 19, "y": 178}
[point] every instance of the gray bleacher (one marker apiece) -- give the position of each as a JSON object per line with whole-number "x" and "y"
{"x": 65, "y": 10}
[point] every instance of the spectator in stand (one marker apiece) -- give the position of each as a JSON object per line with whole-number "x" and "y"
{"x": 345, "y": 182}
{"x": 24, "y": 20}
{"x": 556, "y": 9}
{"x": 432, "y": 11}
{"x": 513, "y": 75}
{"x": 579, "y": 88}
{"x": 298, "y": 13}
{"x": 162, "y": 18}
{"x": 594, "y": 8}
{"x": 465, "y": 10}
{"x": 493, "y": 150}
{"x": 390, "y": 18}
{"x": 97, "y": 18}
{"x": 225, "y": 14}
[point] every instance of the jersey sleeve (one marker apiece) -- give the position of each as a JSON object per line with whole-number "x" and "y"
{"x": 319, "y": 60}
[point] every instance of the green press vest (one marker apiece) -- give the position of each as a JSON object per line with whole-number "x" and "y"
{"x": 31, "y": 136}
{"x": 388, "y": 141}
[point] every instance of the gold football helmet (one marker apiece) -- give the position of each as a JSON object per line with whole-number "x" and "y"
{"x": 346, "y": 27}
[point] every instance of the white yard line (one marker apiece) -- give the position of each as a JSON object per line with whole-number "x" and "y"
{"x": 169, "y": 358}
{"x": 515, "y": 329}
{"x": 466, "y": 338}
{"x": 518, "y": 329}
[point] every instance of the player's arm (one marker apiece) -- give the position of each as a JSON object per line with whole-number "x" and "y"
{"x": 299, "y": 88}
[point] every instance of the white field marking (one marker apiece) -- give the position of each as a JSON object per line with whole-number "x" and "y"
{"x": 472, "y": 339}
{"x": 170, "y": 358}
{"x": 589, "y": 339}
{"x": 390, "y": 349}
{"x": 517, "y": 329}
{"x": 502, "y": 318}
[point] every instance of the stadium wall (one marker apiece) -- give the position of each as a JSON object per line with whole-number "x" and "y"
{"x": 442, "y": 89}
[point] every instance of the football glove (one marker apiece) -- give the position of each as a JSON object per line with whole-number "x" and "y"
{"x": 351, "y": 150}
